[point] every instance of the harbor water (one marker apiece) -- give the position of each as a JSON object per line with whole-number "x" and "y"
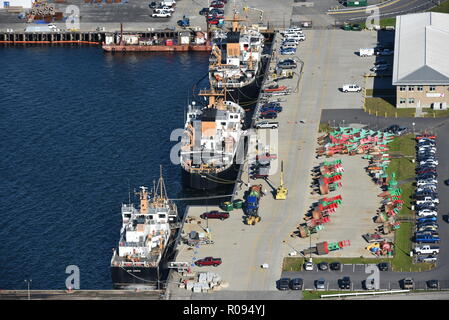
{"x": 79, "y": 130}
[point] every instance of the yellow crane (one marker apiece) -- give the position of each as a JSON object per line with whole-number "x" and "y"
{"x": 281, "y": 191}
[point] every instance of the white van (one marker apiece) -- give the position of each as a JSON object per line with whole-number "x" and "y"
{"x": 351, "y": 88}
{"x": 295, "y": 36}
{"x": 366, "y": 52}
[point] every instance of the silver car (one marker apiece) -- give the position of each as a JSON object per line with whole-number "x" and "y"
{"x": 320, "y": 284}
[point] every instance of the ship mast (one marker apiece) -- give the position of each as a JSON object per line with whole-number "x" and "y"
{"x": 160, "y": 194}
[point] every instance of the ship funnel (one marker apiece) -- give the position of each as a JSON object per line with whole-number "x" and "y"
{"x": 143, "y": 199}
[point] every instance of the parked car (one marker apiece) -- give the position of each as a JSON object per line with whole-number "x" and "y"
{"x": 428, "y": 259}
{"x": 288, "y": 46}
{"x": 271, "y": 109}
{"x": 270, "y": 115}
{"x": 267, "y": 125}
{"x": 427, "y": 228}
{"x": 383, "y": 266}
{"x": 407, "y": 283}
{"x": 395, "y": 129}
{"x": 427, "y": 237}
{"x": 320, "y": 284}
{"x": 153, "y": 4}
{"x": 296, "y": 36}
{"x": 385, "y": 52}
{"x": 287, "y": 64}
{"x": 288, "y": 51}
{"x": 284, "y": 284}
{"x": 424, "y": 219}
{"x": 204, "y": 11}
{"x": 217, "y": 5}
{"x": 433, "y": 284}
{"x": 290, "y": 40}
{"x": 379, "y": 68}
{"x": 427, "y": 250}
{"x": 296, "y": 284}
{"x": 429, "y": 161}
{"x": 323, "y": 266}
{"x": 208, "y": 261}
{"x": 336, "y": 266}
{"x": 164, "y": 8}
{"x": 426, "y": 181}
{"x": 291, "y": 30}
{"x": 351, "y": 88}
{"x": 215, "y": 215}
{"x": 161, "y": 14}
{"x": 344, "y": 283}
{"x": 308, "y": 266}
{"x": 427, "y": 212}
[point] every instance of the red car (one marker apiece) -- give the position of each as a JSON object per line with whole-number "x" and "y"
{"x": 217, "y": 5}
{"x": 213, "y": 21}
{"x": 215, "y": 215}
{"x": 208, "y": 261}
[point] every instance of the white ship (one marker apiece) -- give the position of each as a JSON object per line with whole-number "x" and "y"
{"x": 146, "y": 239}
{"x": 211, "y": 140}
{"x": 235, "y": 61}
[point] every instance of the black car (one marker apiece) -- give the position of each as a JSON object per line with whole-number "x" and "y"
{"x": 296, "y": 284}
{"x": 383, "y": 266}
{"x": 204, "y": 11}
{"x": 395, "y": 129}
{"x": 344, "y": 283}
{"x": 446, "y": 218}
{"x": 432, "y": 194}
{"x": 336, "y": 266}
{"x": 284, "y": 284}
{"x": 323, "y": 266}
{"x": 153, "y": 5}
{"x": 433, "y": 284}
{"x": 446, "y": 182}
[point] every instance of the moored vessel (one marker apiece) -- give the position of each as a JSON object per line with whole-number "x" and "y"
{"x": 147, "y": 240}
{"x": 212, "y": 143}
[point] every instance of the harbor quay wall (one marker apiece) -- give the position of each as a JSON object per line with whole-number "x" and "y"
{"x": 84, "y": 37}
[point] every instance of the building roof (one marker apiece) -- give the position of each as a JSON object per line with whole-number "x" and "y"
{"x": 421, "y": 49}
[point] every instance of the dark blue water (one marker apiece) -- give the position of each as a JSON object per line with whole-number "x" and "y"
{"x": 75, "y": 125}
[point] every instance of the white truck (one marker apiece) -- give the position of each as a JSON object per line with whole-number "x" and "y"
{"x": 427, "y": 250}
{"x": 366, "y": 52}
{"x": 168, "y": 3}
{"x": 351, "y": 88}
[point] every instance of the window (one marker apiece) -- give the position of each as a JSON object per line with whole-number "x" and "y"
{"x": 402, "y": 101}
{"x": 432, "y": 88}
{"x": 411, "y": 100}
{"x": 402, "y": 88}
{"x": 411, "y": 88}
{"x": 420, "y": 88}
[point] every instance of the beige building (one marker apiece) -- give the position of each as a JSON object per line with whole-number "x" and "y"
{"x": 421, "y": 61}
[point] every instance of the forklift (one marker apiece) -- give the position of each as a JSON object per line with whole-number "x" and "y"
{"x": 281, "y": 191}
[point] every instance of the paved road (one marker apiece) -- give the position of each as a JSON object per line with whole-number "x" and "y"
{"x": 390, "y": 280}
{"x": 387, "y": 10}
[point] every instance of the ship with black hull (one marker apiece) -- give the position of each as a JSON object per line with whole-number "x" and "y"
{"x": 235, "y": 63}
{"x": 212, "y": 143}
{"x": 147, "y": 240}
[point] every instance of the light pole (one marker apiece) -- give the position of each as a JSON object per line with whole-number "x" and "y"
{"x": 28, "y": 281}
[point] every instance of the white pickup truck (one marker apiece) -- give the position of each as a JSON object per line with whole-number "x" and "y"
{"x": 427, "y": 250}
